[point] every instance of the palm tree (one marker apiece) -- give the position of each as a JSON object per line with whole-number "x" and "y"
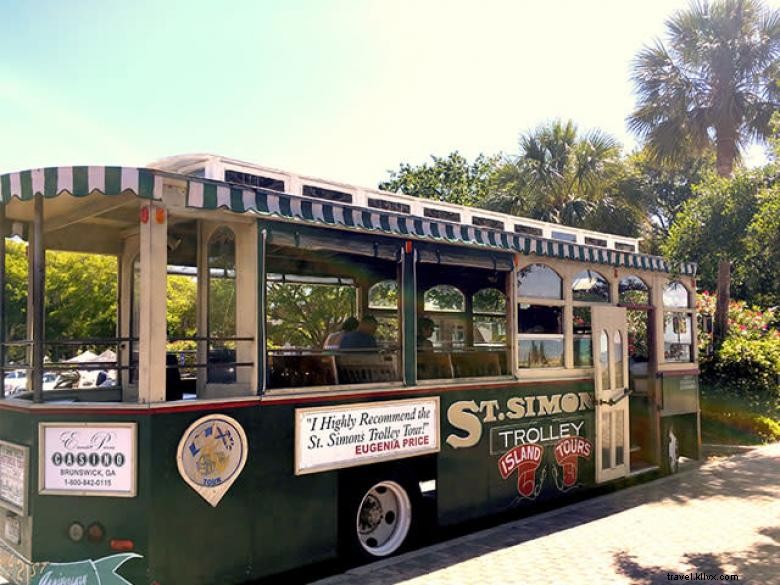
{"x": 714, "y": 84}
{"x": 558, "y": 176}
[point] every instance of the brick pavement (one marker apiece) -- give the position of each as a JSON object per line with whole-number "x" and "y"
{"x": 720, "y": 518}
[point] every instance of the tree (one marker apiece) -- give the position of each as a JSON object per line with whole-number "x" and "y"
{"x": 714, "y": 224}
{"x": 713, "y": 84}
{"x": 452, "y": 179}
{"x": 559, "y": 176}
{"x": 761, "y": 269}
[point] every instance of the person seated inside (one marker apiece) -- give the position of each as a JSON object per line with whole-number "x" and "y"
{"x": 425, "y": 328}
{"x": 333, "y": 341}
{"x": 362, "y": 337}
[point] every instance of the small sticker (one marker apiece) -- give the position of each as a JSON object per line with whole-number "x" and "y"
{"x": 211, "y": 455}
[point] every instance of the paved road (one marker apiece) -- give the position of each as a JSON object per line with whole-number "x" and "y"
{"x": 722, "y": 518}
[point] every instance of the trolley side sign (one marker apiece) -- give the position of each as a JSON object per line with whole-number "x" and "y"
{"x": 87, "y": 459}
{"x": 333, "y": 437}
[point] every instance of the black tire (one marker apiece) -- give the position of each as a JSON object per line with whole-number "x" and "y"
{"x": 377, "y": 516}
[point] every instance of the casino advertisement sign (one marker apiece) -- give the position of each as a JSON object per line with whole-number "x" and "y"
{"x": 87, "y": 459}
{"x": 537, "y": 443}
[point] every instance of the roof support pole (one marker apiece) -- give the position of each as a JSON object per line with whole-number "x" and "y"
{"x": 152, "y": 323}
{"x": 262, "y": 342}
{"x": 38, "y": 300}
{"x": 2, "y": 300}
{"x": 409, "y": 312}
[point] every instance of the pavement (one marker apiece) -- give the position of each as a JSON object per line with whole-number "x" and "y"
{"x": 713, "y": 520}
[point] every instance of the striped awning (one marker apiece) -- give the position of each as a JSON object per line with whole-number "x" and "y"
{"x": 215, "y": 195}
{"x": 80, "y": 181}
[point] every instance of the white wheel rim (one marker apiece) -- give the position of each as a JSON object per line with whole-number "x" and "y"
{"x": 383, "y": 518}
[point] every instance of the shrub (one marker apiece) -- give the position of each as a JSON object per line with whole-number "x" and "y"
{"x": 749, "y": 364}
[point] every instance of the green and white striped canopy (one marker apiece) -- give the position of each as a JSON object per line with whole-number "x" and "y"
{"x": 208, "y": 194}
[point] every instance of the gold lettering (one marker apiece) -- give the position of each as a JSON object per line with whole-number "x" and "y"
{"x": 549, "y": 404}
{"x": 490, "y": 407}
{"x": 516, "y": 408}
{"x": 529, "y": 406}
{"x": 570, "y": 403}
{"x": 461, "y": 415}
{"x": 586, "y": 400}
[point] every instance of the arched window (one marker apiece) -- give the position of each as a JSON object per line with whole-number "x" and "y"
{"x": 489, "y": 301}
{"x": 383, "y": 303}
{"x": 222, "y": 306}
{"x": 590, "y": 287}
{"x": 618, "y": 341}
{"x": 383, "y": 295}
{"x": 540, "y": 325}
{"x": 539, "y": 281}
{"x": 632, "y": 290}
{"x": 444, "y": 298}
{"x": 489, "y": 308}
{"x": 678, "y": 324}
{"x": 676, "y": 295}
{"x": 604, "y": 360}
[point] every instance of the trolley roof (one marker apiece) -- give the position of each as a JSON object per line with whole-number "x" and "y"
{"x": 125, "y": 184}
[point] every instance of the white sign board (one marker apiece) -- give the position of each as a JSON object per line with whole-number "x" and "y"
{"x": 332, "y": 437}
{"x": 13, "y": 476}
{"x": 87, "y": 459}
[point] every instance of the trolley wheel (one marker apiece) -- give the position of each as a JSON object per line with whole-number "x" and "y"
{"x": 378, "y": 518}
{"x": 671, "y": 453}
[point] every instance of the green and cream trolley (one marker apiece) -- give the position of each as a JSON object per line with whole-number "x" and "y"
{"x": 487, "y": 362}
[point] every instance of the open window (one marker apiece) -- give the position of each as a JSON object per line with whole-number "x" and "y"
{"x": 634, "y": 294}
{"x": 332, "y": 309}
{"x": 461, "y": 315}
{"x": 588, "y": 288}
{"x": 540, "y": 317}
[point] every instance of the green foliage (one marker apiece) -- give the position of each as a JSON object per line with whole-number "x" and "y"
{"x": 303, "y": 315}
{"x": 731, "y": 417}
{"x": 559, "y": 176}
{"x": 16, "y": 290}
{"x": 452, "y": 179}
{"x": 712, "y": 84}
{"x": 750, "y": 364}
{"x": 761, "y": 269}
{"x": 714, "y": 224}
{"x": 660, "y": 190}
{"x": 749, "y": 358}
{"x": 181, "y": 294}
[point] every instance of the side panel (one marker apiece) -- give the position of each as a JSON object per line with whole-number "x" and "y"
{"x": 267, "y": 522}
{"x": 513, "y": 447}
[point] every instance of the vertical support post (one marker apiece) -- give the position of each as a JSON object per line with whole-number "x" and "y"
{"x": 152, "y": 330}
{"x": 247, "y": 311}
{"x": 511, "y": 315}
{"x": 201, "y": 308}
{"x": 567, "y": 276}
{"x": 262, "y": 341}
{"x": 409, "y": 312}
{"x": 2, "y": 300}
{"x": 469, "y": 314}
{"x": 38, "y": 299}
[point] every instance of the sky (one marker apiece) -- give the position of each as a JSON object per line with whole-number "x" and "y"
{"x": 340, "y": 89}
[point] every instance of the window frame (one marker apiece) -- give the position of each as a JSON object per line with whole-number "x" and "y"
{"x": 690, "y": 313}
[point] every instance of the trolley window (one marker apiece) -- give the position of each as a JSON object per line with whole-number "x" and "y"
{"x": 331, "y": 314}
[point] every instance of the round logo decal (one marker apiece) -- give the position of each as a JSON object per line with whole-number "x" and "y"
{"x": 211, "y": 455}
